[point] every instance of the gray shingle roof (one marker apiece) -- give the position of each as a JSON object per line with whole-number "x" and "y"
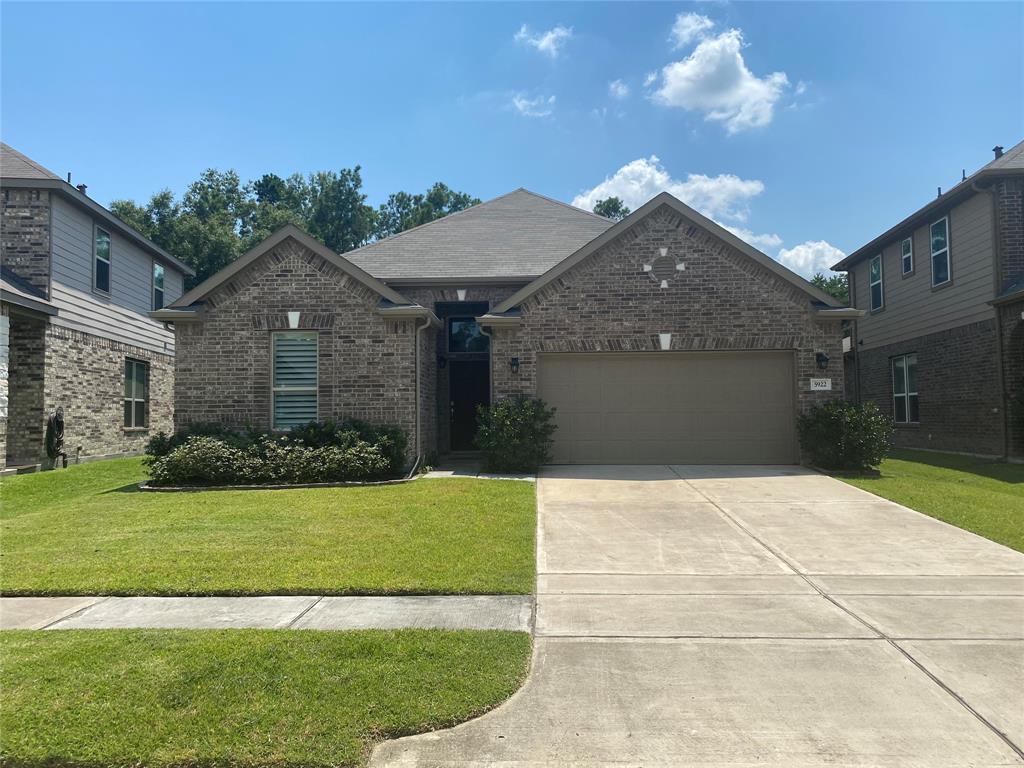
{"x": 14, "y": 165}
{"x": 520, "y": 234}
{"x": 1012, "y": 158}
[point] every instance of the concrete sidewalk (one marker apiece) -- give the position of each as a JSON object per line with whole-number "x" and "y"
{"x": 742, "y": 616}
{"x": 511, "y": 612}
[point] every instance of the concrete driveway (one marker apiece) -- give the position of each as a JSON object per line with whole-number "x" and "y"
{"x": 753, "y": 616}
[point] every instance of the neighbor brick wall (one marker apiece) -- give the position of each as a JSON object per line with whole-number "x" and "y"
{"x": 25, "y": 235}
{"x": 366, "y": 362}
{"x": 1013, "y": 373}
{"x": 85, "y": 375}
{"x": 958, "y": 389}
{"x": 1010, "y": 205}
{"x": 722, "y": 301}
{"x": 5, "y": 353}
{"x": 27, "y": 355}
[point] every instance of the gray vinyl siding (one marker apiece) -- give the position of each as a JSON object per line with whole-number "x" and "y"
{"x": 912, "y": 307}
{"x": 121, "y": 316}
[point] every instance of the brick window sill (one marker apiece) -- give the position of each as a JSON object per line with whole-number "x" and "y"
{"x": 136, "y": 429}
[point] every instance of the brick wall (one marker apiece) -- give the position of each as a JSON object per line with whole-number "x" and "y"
{"x": 1010, "y": 205}
{"x": 5, "y": 354}
{"x": 722, "y": 301}
{"x": 366, "y": 363}
{"x": 27, "y": 354}
{"x": 85, "y": 375}
{"x": 1010, "y": 316}
{"x": 25, "y": 235}
{"x": 958, "y": 389}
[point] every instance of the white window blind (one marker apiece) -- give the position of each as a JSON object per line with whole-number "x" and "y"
{"x": 294, "y": 378}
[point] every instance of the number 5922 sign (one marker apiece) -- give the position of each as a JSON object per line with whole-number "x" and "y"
{"x": 821, "y": 385}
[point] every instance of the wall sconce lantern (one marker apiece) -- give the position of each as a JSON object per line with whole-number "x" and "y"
{"x": 442, "y": 362}
{"x": 513, "y": 364}
{"x": 821, "y": 359}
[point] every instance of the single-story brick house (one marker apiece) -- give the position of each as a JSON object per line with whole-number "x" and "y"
{"x": 659, "y": 338}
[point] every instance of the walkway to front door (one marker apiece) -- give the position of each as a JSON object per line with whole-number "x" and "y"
{"x": 748, "y": 616}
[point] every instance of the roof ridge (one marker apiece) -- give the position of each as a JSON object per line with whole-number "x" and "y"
{"x": 41, "y": 168}
{"x": 570, "y": 206}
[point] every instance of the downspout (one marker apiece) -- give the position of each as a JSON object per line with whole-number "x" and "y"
{"x": 417, "y": 394}
{"x": 997, "y": 258}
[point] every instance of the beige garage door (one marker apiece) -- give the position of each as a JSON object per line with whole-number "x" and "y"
{"x": 671, "y": 408}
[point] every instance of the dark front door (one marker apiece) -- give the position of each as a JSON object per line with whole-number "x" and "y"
{"x": 469, "y": 386}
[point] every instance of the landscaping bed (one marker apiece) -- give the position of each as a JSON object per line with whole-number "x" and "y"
{"x": 242, "y": 697}
{"x": 88, "y": 530}
{"x": 984, "y": 496}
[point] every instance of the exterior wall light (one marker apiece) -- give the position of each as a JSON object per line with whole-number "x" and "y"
{"x": 442, "y": 362}
{"x": 821, "y": 359}
{"x": 513, "y": 364}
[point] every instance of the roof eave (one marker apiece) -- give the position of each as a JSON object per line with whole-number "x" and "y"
{"x": 27, "y": 302}
{"x": 839, "y": 313}
{"x": 500, "y": 320}
{"x": 408, "y": 312}
{"x": 184, "y": 315}
{"x": 1007, "y": 298}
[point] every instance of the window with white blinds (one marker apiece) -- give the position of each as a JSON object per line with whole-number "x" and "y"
{"x": 294, "y": 378}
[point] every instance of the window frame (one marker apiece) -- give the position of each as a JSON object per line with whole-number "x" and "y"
{"x": 948, "y": 251}
{"x": 97, "y": 229}
{"x": 315, "y": 388}
{"x": 880, "y": 283}
{"x": 448, "y": 336}
{"x": 904, "y": 256}
{"x": 163, "y": 287}
{"x": 907, "y": 393}
{"x": 134, "y": 399}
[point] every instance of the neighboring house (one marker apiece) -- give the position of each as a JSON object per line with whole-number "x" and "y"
{"x": 76, "y": 289}
{"x": 660, "y": 338}
{"x": 941, "y": 346}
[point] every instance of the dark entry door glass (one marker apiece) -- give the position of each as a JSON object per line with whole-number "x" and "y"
{"x": 469, "y": 386}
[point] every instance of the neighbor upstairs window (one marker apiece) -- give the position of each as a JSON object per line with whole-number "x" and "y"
{"x": 875, "y": 282}
{"x": 940, "y": 251}
{"x": 294, "y": 378}
{"x": 158, "y": 286}
{"x": 904, "y": 389}
{"x": 136, "y": 393}
{"x": 101, "y": 259}
{"x": 907, "y": 255}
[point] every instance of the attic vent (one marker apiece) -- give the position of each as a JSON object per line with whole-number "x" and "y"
{"x": 691, "y": 231}
{"x": 997, "y": 151}
{"x": 663, "y": 268}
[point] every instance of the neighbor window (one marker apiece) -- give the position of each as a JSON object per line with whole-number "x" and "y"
{"x": 101, "y": 268}
{"x": 136, "y": 393}
{"x": 294, "y": 378}
{"x": 904, "y": 389}
{"x": 158, "y": 285}
{"x": 464, "y": 335}
{"x": 907, "y": 255}
{"x": 875, "y": 282}
{"x": 940, "y": 251}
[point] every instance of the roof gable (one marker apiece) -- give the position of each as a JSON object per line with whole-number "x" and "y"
{"x": 289, "y": 231}
{"x": 14, "y": 165}
{"x": 520, "y": 234}
{"x": 641, "y": 213}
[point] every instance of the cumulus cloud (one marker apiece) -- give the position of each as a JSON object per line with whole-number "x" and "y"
{"x": 689, "y": 27}
{"x": 715, "y": 80}
{"x": 618, "y": 89}
{"x": 650, "y": 78}
{"x": 726, "y": 196}
{"x": 539, "y": 106}
{"x": 808, "y": 258}
{"x": 763, "y": 241}
{"x": 549, "y": 43}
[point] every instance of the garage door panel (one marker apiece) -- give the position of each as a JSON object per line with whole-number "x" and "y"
{"x": 702, "y": 407}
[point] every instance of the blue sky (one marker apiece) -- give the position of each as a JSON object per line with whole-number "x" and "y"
{"x": 804, "y": 126}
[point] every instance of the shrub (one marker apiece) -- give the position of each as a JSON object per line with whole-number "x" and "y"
{"x": 267, "y": 461}
{"x": 162, "y": 444}
{"x": 390, "y": 440}
{"x": 515, "y": 434}
{"x": 840, "y": 435}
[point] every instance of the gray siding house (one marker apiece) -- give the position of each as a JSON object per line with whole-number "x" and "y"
{"x": 659, "y": 338}
{"x": 76, "y": 289}
{"x": 941, "y": 344}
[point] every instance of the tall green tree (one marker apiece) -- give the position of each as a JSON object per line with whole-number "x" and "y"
{"x": 836, "y": 286}
{"x": 611, "y": 208}
{"x": 403, "y": 211}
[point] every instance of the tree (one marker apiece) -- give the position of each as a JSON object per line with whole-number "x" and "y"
{"x": 835, "y": 286}
{"x": 403, "y": 211}
{"x": 611, "y": 208}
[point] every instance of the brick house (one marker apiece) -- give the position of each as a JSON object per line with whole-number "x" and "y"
{"x": 76, "y": 289}
{"x": 941, "y": 344}
{"x": 661, "y": 337}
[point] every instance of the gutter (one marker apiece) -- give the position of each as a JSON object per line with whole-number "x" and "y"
{"x": 839, "y": 313}
{"x": 502, "y": 320}
{"x": 408, "y": 312}
{"x": 416, "y": 395}
{"x": 167, "y": 315}
{"x": 27, "y": 302}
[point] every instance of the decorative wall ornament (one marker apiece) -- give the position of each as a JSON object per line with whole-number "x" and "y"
{"x": 664, "y": 268}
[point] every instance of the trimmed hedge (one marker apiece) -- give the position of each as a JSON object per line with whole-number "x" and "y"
{"x": 515, "y": 434}
{"x": 840, "y": 435}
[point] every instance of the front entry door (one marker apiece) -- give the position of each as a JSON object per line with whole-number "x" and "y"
{"x": 469, "y": 386}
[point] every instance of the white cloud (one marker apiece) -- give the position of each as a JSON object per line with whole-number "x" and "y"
{"x": 650, "y": 78}
{"x": 536, "y": 107}
{"x": 689, "y": 27}
{"x": 618, "y": 89}
{"x": 801, "y": 88}
{"x": 549, "y": 43}
{"x": 808, "y": 258}
{"x": 715, "y": 80}
{"x": 764, "y": 241}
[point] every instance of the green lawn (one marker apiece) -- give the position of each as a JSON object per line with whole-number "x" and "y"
{"x": 979, "y": 495}
{"x": 103, "y": 698}
{"x": 88, "y": 530}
